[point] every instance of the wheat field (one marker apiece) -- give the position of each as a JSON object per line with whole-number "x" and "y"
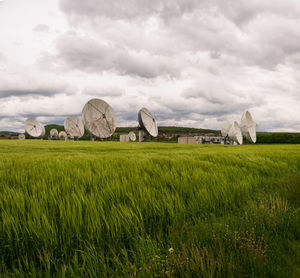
{"x": 110, "y": 209}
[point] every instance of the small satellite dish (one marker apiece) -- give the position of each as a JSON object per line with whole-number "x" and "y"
{"x": 225, "y": 128}
{"x": 74, "y": 127}
{"x": 147, "y": 122}
{"x": 21, "y": 136}
{"x": 62, "y": 135}
{"x": 235, "y": 133}
{"x": 53, "y": 133}
{"x": 99, "y": 118}
{"x": 248, "y": 126}
{"x": 132, "y": 136}
{"x": 34, "y": 128}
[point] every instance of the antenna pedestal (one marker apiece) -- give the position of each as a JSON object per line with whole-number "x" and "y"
{"x": 141, "y": 135}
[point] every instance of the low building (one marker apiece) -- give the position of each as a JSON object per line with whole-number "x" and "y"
{"x": 201, "y": 140}
{"x": 124, "y": 138}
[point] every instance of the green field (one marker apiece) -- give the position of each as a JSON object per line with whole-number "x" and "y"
{"x": 107, "y": 209}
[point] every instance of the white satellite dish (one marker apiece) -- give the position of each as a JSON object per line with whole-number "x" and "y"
{"x": 248, "y": 126}
{"x": 21, "y": 136}
{"x": 225, "y": 128}
{"x": 99, "y": 118}
{"x": 74, "y": 126}
{"x": 53, "y": 133}
{"x": 34, "y": 128}
{"x": 62, "y": 135}
{"x": 132, "y": 136}
{"x": 147, "y": 122}
{"x": 235, "y": 133}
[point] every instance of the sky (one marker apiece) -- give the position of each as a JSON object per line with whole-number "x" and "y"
{"x": 195, "y": 63}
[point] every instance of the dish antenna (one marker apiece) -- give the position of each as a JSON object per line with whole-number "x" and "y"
{"x": 34, "y": 128}
{"x": 21, "y": 136}
{"x": 225, "y": 128}
{"x": 248, "y": 127}
{"x": 132, "y": 136}
{"x": 62, "y": 135}
{"x": 74, "y": 127}
{"x": 147, "y": 123}
{"x": 99, "y": 118}
{"x": 53, "y": 133}
{"x": 235, "y": 133}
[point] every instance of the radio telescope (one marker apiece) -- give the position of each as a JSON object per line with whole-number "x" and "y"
{"x": 132, "y": 136}
{"x": 235, "y": 133}
{"x": 74, "y": 127}
{"x": 62, "y": 135}
{"x": 147, "y": 123}
{"x": 99, "y": 118}
{"x": 53, "y": 133}
{"x": 225, "y": 128}
{"x": 21, "y": 136}
{"x": 34, "y": 128}
{"x": 248, "y": 127}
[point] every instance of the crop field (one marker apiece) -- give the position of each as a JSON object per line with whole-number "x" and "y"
{"x": 110, "y": 209}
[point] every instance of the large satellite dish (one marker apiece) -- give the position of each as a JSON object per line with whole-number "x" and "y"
{"x": 147, "y": 122}
{"x": 21, "y": 136}
{"x": 62, "y": 135}
{"x": 235, "y": 133}
{"x": 34, "y": 128}
{"x": 248, "y": 126}
{"x": 53, "y": 133}
{"x": 225, "y": 128}
{"x": 132, "y": 136}
{"x": 74, "y": 126}
{"x": 99, "y": 118}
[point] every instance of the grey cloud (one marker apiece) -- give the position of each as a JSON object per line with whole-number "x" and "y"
{"x": 86, "y": 54}
{"x": 43, "y": 28}
{"x": 23, "y": 93}
{"x": 126, "y": 9}
{"x": 257, "y": 32}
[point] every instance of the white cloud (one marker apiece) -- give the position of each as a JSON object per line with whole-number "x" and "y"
{"x": 191, "y": 62}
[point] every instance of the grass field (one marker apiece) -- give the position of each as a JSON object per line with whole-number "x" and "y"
{"x": 104, "y": 209}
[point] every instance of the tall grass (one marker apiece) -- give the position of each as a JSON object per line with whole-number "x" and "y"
{"x": 103, "y": 209}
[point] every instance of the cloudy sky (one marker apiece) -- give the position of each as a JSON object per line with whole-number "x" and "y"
{"x": 191, "y": 62}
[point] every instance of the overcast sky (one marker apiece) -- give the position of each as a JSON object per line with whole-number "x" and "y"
{"x": 192, "y": 63}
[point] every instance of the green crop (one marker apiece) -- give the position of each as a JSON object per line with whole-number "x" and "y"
{"x": 107, "y": 209}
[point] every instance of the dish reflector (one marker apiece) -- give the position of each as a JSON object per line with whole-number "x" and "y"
{"x": 62, "y": 135}
{"x": 132, "y": 136}
{"x": 34, "y": 128}
{"x": 74, "y": 126}
{"x": 225, "y": 128}
{"x": 21, "y": 136}
{"x": 147, "y": 122}
{"x": 99, "y": 118}
{"x": 248, "y": 126}
{"x": 235, "y": 133}
{"x": 53, "y": 133}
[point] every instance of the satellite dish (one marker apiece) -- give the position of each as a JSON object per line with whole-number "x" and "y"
{"x": 235, "y": 133}
{"x": 21, "y": 136}
{"x": 62, "y": 135}
{"x": 248, "y": 126}
{"x": 34, "y": 128}
{"x": 74, "y": 126}
{"x": 147, "y": 122}
{"x": 99, "y": 118}
{"x": 132, "y": 136}
{"x": 53, "y": 133}
{"x": 225, "y": 128}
